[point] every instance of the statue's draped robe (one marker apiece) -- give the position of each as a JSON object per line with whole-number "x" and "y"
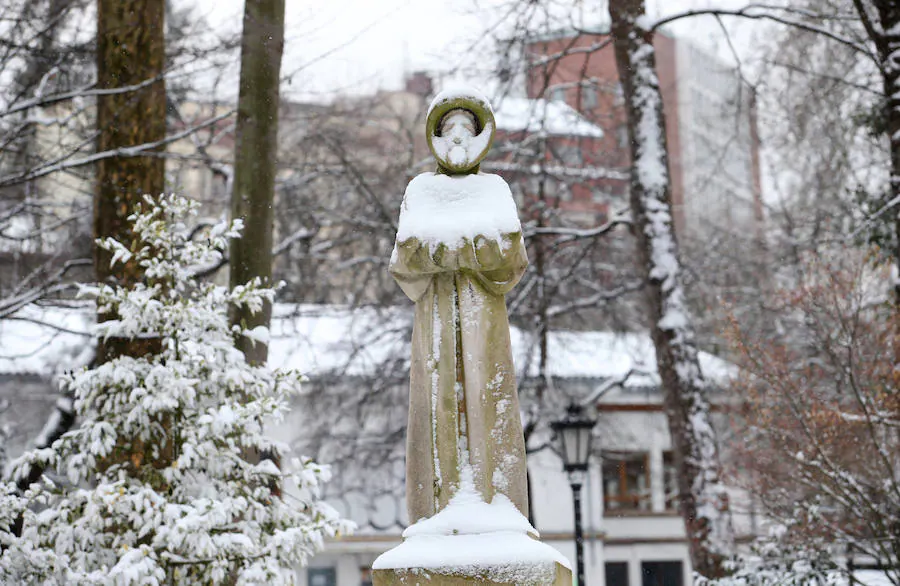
{"x": 463, "y": 405}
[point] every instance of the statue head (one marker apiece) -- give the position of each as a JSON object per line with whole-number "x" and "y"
{"x": 459, "y": 130}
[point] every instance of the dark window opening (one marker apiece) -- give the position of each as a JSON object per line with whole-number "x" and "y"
{"x": 616, "y": 573}
{"x": 662, "y": 574}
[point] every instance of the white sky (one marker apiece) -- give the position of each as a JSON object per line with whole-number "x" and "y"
{"x": 357, "y": 46}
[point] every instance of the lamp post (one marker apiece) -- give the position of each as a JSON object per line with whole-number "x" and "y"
{"x": 573, "y": 433}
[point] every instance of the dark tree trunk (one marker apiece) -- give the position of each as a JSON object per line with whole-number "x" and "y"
{"x": 704, "y": 504}
{"x": 130, "y": 50}
{"x": 887, "y": 45}
{"x": 256, "y": 149}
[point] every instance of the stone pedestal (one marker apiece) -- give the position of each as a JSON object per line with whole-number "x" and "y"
{"x": 407, "y": 577}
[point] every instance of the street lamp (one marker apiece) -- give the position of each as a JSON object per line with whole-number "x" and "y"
{"x": 573, "y": 433}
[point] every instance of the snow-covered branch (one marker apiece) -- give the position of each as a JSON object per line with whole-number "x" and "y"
{"x": 703, "y": 500}
{"x": 765, "y": 12}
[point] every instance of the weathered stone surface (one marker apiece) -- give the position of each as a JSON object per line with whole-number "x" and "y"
{"x": 459, "y": 251}
{"x": 463, "y": 402}
{"x": 421, "y": 577}
{"x": 462, "y": 377}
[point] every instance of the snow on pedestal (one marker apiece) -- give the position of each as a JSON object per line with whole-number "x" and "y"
{"x": 471, "y": 539}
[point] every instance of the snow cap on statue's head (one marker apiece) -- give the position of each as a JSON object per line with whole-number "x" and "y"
{"x": 453, "y": 158}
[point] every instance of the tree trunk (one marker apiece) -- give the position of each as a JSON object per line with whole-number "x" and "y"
{"x": 703, "y": 501}
{"x": 887, "y": 44}
{"x": 255, "y": 155}
{"x": 130, "y": 50}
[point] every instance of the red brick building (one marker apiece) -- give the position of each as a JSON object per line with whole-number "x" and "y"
{"x": 549, "y": 152}
{"x": 710, "y": 123}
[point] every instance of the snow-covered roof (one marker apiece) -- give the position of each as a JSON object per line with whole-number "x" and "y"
{"x": 45, "y": 340}
{"x": 539, "y": 115}
{"x": 872, "y": 578}
{"x": 322, "y": 340}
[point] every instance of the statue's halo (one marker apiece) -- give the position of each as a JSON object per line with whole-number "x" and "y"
{"x": 466, "y": 99}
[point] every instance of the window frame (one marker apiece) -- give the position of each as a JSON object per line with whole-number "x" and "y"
{"x": 671, "y": 502}
{"x": 633, "y": 501}
{"x": 329, "y": 571}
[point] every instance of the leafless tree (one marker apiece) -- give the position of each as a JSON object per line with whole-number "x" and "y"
{"x": 818, "y": 427}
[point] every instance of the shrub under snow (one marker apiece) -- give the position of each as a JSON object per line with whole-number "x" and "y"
{"x": 156, "y": 486}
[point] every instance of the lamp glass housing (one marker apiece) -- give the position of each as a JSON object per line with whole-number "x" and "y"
{"x": 574, "y": 436}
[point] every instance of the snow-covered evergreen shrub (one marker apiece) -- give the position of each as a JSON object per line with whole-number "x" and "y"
{"x": 159, "y": 487}
{"x": 773, "y": 561}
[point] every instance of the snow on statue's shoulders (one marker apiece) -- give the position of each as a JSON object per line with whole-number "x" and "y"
{"x": 446, "y": 209}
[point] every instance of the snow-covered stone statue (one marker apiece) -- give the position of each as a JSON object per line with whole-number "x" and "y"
{"x": 458, "y": 251}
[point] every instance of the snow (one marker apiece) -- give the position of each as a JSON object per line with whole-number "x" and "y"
{"x": 872, "y": 578}
{"x": 473, "y": 538}
{"x": 326, "y": 340}
{"x": 650, "y": 164}
{"x": 456, "y": 92}
{"x": 206, "y": 507}
{"x": 585, "y": 173}
{"x": 503, "y": 557}
{"x": 711, "y": 527}
{"x": 543, "y": 116}
{"x": 602, "y": 355}
{"x": 436, "y": 330}
{"x": 468, "y": 514}
{"x": 258, "y": 334}
{"x": 443, "y": 209}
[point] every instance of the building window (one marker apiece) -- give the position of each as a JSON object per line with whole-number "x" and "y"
{"x": 622, "y": 138}
{"x": 670, "y": 481}
{"x": 365, "y": 576}
{"x": 558, "y": 94}
{"x": 618, "y": 95}
{"x": 321, "y": 577}
{"x": 567, "y": 153}
{"x": 616, "y": 573}
{"x": 626, "y": 481}
{"x": 588, "y": 97}
{"x": 662, "y": 574}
